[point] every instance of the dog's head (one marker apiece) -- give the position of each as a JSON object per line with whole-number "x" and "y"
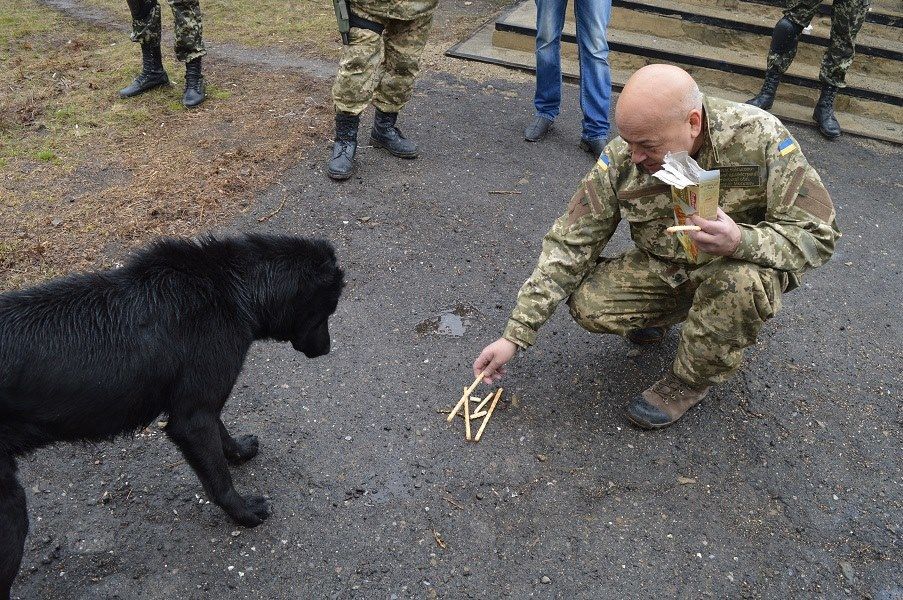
{"x": 311, "y": 333}
{"x": 301, "y": 283}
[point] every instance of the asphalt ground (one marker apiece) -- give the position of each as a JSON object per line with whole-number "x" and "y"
{"x": 784, "y": 483}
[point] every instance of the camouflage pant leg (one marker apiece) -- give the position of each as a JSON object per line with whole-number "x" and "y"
{"x": 801, "y": 13}
{"x": 146, "y": 27}
{"x": 404, "y": 42}
{"x": 359, "y": 70}
{"x": 732, "y": 301}
{"x": 845, "y": 25}
{"x": 624, "y": 294}
{"x": 189, "y": 29}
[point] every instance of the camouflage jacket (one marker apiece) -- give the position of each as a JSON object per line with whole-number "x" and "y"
{"x": 403, "y": 10}
{"x": 786, "y": 216}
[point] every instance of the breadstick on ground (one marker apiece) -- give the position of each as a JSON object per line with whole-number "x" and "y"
{"x": 477, "y": 415}
{"x": 466, "y": 395}
{"x": 483, "y": 403}
{"x": 495, "y": 401}
{"x": 467, "y": 420}
{"x": 678, "y": 228}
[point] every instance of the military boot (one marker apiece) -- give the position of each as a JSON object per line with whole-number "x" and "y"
{"x": 386, "y": 135}
{"x": 342, "y": 162}
{"x": 647, "y": 335}
{"x": 824, "y": 113}
{"x": 195, "y": 88}
{"x": 664, "y": 403}
{"x": 765, "y": 99}
{"x": 152, "y": 74}
{"x": 784, "y": 40}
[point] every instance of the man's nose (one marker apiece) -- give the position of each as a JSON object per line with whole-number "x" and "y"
{"x": 637, "y": 156}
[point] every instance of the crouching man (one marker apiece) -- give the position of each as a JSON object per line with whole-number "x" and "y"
{"x": 775, "y": 221}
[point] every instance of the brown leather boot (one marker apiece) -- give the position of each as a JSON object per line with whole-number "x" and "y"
{"x": 664, "y": 403}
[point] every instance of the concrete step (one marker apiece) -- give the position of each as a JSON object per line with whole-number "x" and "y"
{"x": 857, "y": 116}
{"x": 713, "y": 47}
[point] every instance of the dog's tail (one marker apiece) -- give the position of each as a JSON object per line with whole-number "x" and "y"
{"x": 13, "y": 524}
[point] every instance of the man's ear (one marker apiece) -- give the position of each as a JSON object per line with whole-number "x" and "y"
{"x": 695, "y": 119}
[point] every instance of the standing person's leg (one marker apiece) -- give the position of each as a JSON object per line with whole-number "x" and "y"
{"x": 404, "y": 42}
{"x": 845, "y": 25}
{"x": 146, "y": 31}
{"x": 547, "y": 99}
{"x": 351, "y": 93}
{"x": 595, "y": 73}
{"x": 189, "y": 47}
{"x": 784, "y": 41}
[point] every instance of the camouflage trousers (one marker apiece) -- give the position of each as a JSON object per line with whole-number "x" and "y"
{"x": 845, "y": 25}
{"x": 723, "y": 305}
{"x": 380, "y": 68}
{"x": 188, "y": 26}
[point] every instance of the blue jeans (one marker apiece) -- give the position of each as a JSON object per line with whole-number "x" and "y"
{"x": 595, "y": 74}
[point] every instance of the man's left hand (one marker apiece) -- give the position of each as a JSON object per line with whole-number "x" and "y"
{"x": 719, "y": 237}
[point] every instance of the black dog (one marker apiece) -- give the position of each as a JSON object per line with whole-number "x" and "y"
{"x": 89, "y": 357}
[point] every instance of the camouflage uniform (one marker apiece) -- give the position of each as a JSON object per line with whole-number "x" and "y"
{"x": 787, "y": 224}
{"x": 845, "y": 24}
{"x": 382, "y": 68}
{"x": 188, "y": 28}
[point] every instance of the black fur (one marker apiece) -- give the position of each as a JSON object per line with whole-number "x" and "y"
{"x": 93, "y": 356}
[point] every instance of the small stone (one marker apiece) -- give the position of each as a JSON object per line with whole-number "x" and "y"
{"x": 542, "y": 457}
{"x": 545, "y": 579}
{"x": 479, "y": 496}
{"x": 848, "y": 571}
{"x": 236, "y": 533}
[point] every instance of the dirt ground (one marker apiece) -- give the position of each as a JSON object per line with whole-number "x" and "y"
{"x": 784, "y": 483}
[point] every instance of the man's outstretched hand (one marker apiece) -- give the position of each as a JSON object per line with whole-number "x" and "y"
{"x": 719, "y": 237}
{"x": 493, "y": 359}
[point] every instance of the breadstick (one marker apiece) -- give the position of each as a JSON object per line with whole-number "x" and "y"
{"x": 677, "y": 228}
{"x": 495, "y": 401}
{"x": 466, "y": 395}
{"x": 483, "y": 403}
{"x": 467, "y": 420}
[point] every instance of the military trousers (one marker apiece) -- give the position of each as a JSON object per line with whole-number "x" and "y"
{"x": 723, "y": 305}
{"x": 380, "y": 68}
{"x": 846, "y": 22}
{"x": 189, "y": 29}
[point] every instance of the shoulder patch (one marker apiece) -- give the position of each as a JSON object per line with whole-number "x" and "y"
{"x": 786, "y": 147}
{"x": 579, "y": 205}
{"x": 603, "y": 162}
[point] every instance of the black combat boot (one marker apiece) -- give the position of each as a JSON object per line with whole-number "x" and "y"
{"x": 152, "y": 74}
{"x": 386, "y": 135}
{"x": 784, "y": 39}
{"x": 342, "y": 162}
{"x": 194, "y": 84}
{"x": 824, "y": 113}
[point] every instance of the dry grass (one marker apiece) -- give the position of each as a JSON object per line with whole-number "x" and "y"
{"x": 84, "y": 175}
{"x": 306, "y": 25}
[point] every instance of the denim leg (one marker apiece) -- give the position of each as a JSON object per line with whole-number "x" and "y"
{"x": 595, "y": 74}
{"x": 549, "y": 24}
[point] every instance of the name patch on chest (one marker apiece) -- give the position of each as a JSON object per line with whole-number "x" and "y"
{"x": 742, "y": 176}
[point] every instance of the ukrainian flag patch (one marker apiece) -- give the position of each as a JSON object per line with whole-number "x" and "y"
{"x": 786, "y": 147}
{"x": 602, "y": 163}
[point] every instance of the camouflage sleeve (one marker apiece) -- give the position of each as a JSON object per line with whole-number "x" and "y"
{"x": 799, "y": 230}
{"x": 569, "y": 250}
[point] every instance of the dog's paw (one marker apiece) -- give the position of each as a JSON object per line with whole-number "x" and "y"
{"x": 258, "y": 511}
{"x": 246, "y": 448}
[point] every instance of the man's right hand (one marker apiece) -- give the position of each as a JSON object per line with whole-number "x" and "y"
{"x": 493, "y": 358}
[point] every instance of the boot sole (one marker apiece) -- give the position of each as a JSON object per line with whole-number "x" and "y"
{"x": 377, "y": 144}
{"x": 653, "y": 426}
{"x": 339, "y": 176}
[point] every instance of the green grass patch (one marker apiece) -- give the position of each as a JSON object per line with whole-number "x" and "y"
{"x": 45, "y": 155}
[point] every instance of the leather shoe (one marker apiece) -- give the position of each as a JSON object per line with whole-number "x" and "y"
{"x": 538, "y": 129}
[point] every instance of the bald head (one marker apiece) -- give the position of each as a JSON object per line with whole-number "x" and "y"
{"x": 659, "y": 111}
{"x": 656, "y": 95}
